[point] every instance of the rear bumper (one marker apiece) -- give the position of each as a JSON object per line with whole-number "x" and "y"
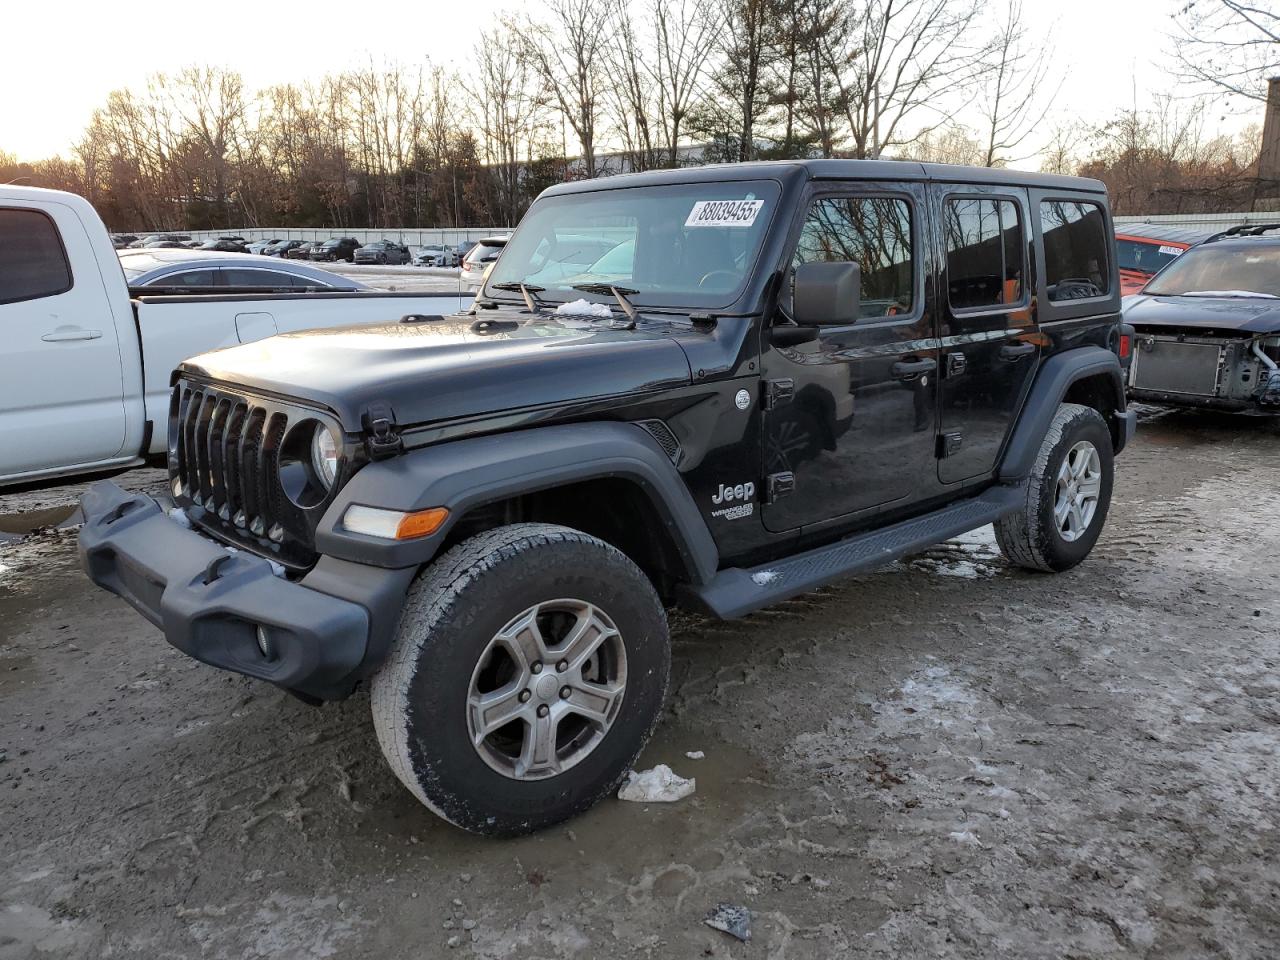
{"x": 210, "y": 602}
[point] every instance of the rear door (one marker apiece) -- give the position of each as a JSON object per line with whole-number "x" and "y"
{"x": 61, "y": 383}
{"x": 990, "y": 343}
{"x": 850, "y": 413}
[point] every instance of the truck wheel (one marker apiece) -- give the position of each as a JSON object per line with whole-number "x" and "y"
{"x": 1068, "y": 494}
{"x": 527, "y": 673}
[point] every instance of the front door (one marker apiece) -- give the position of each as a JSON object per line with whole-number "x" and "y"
{"x": 850, "y": 412}
{"x": 61, "y": 386}
{"x": 990, "y": 342}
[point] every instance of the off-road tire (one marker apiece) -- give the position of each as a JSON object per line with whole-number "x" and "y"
{"x": 452, "y": 611}
{"x": 1029, "y": 537}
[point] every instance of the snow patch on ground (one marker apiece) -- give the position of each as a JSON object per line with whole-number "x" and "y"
{"x": 970, "y": 556}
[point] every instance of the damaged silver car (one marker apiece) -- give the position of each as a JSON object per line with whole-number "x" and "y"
{"x": 1207, "y": 326}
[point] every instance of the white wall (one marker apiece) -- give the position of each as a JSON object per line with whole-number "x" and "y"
{"x": 1206, "y": 221}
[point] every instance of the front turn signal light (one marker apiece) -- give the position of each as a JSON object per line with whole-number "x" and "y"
{"x": 394, "y": 524}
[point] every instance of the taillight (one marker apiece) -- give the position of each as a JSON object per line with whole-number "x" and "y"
{"x": 1125, "y": 346}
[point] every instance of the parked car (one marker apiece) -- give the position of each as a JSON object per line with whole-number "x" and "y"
{"x": 479, "y": 258}
{"x": 433, "y": 255}
{"x": 259, "y": 247}
{"x": 483, "y": 517}
{"x": 336, "y": 248}
{"x": 86, "y": 369}
{"x": 1207, "y": 326}
{"x": 300, "y": 252}
{"x": 168, "y": 245}
{"x": 460, "y": 251}
{"x": 201, "y": 270}
{"x": 1144, "y": 249}
{"x": 281, "y": 247}
{"x": 382, "y": 251}
{"x": 223, "y": 245}
{"x": 158, "y": 238}
{"x": 122, "y": 240}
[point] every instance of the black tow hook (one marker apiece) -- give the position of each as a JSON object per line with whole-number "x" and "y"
{"x": 214, "y": 570}
{"x": 116, "y": 512}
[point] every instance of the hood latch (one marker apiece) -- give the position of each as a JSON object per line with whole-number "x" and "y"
{"x": 382, "y": 438}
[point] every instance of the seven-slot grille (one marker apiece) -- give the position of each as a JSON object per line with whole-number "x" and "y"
{"x": 224, "y": 463}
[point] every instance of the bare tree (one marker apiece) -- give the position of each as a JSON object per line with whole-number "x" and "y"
{"x": 953, "y": 143}
{"x": 684, "y": 33}
{"x": 568, "y": 52}
{"x": 747, "y": 49}
{"x": 504, "y": 113}
{"x": 1015, "y": 92}
{"x": 895, "y": 59}
{"x": 1060, "y": 153}
{"x": 1228, "y": 47}
{"x": 630, "y": 94}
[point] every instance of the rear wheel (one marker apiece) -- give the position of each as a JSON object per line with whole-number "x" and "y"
{"x": 1067, "y": 495}
{"x": 528, "y": 672}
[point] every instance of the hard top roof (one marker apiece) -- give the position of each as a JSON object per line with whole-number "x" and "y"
{"x": 833, "y": 170}
{"x": 1162, "y": 231}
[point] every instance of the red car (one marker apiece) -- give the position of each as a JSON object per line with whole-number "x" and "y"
{"x": 1143, "y": 249}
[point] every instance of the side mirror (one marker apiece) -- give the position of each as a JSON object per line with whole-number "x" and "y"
{"x": 826, "y": 294}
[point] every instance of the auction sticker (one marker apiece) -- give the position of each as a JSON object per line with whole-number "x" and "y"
{"x": 724, "y": 213}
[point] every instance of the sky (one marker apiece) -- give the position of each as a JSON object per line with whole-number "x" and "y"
{"x": 1106, "y": 50}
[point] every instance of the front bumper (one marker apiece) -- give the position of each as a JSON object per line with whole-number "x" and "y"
{"x": 211, "y": 601}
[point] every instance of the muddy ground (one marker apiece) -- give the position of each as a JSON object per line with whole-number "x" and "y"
{"x": 949, "y": 758}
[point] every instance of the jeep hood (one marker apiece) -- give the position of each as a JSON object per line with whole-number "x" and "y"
{"x": 1239, "y": 314}
{"x": 444, "y": 369}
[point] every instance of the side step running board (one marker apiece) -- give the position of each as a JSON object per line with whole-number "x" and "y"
{"x": 737, "y": 591}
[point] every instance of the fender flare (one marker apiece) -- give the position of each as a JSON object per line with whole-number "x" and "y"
{"x": 464, "y": 474}
{"x": 1053, "y": 380}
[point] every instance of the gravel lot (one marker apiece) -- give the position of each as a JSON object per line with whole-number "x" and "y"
{"x": 947, "y": 758}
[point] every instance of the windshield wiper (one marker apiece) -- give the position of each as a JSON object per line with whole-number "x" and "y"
{"x": 526, "y": 290}
{"x": 619, "y": 293}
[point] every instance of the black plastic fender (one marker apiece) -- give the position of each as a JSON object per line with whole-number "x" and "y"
{"x": 1051, "y": 384}
{"x": 466, "y": 474}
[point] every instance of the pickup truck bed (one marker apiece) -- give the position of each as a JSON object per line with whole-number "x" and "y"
{"x": 84, "y": 376}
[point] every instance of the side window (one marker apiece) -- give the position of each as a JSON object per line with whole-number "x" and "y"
{"x": 189, "y": 278}
{"x": 255, "y": 278}
{"x": 985, "y": 252}
{"x": 32, "y": 261}
{"x": 1075, "y": 249}
{"x": 873, "y": 232}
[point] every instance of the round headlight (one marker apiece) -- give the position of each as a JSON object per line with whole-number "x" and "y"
{"x": 324, "y": 455}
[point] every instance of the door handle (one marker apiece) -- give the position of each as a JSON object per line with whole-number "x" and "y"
{"x": 1016, "y": 351}
{"x": 63, "y": 334}
{"x": 912, "y": 367}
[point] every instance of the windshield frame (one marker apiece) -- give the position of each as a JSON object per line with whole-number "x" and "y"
{"x": 769, "y": 189}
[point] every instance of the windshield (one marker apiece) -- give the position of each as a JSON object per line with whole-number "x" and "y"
{"x": 1233, "y": 270}
{"x": 679, "y": 245}
{"x": 1145, "y": 256}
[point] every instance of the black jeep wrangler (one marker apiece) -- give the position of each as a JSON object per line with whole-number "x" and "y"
{"x": 714, "y": 388}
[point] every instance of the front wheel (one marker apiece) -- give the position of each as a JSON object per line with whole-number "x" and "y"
{"x": 528, "y": 672}
{"x": 1067, "y": 495}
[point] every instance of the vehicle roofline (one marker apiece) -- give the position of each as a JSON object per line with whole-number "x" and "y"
{"x": 831, "y": 169}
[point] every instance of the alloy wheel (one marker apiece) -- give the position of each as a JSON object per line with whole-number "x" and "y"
{"x": 546, "y": 689}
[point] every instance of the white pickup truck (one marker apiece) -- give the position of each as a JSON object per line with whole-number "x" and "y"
{"x": 85, "y": 363}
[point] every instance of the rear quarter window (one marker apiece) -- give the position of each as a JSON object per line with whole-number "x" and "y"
{"x": 1075, "y": 250}
{"x": 33, "y": 262}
